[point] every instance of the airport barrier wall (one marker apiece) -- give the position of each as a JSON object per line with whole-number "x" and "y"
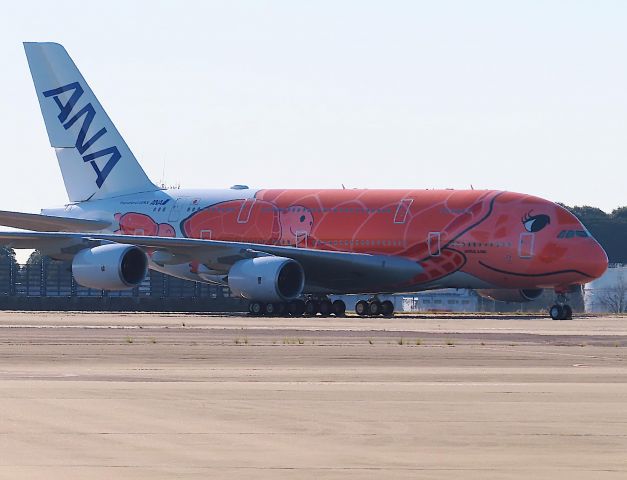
{"x": 49, "y": 285}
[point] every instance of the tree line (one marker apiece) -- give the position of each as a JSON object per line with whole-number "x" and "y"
{"x": 610, "y": 229}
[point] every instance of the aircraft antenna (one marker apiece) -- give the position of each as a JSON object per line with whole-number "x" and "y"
{"x": 162, "y": 182}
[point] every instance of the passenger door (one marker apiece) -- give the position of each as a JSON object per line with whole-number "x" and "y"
{"x": 300, "y": 239}
{"x": 177, "y": 208}
{"x": 434, "y": 244}
{"x": 245, "y": 210}
{"x": 402, "y": 210}
{"x": 526, "y": 244}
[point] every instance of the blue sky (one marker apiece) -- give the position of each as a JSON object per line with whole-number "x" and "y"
{"x": 525, "y": 96}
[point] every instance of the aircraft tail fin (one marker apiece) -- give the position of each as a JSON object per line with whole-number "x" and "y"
{"x": 95, "y": 161}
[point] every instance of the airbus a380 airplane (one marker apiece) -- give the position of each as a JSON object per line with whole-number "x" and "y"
{"x": 285, "y": 250}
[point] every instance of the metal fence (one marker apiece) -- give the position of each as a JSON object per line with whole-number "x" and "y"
{"x": 50, "y": 285}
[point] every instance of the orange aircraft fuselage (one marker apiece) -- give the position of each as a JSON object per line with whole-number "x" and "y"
{"x": 461, "y": 238}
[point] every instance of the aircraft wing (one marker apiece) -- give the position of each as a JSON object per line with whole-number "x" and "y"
{"x": 323, "y": 269}
{"x": 49, "y": 223}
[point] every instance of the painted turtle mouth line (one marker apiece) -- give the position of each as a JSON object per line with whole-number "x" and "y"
{"x": 298, "y": 233}
{"x": 543, "y": 274}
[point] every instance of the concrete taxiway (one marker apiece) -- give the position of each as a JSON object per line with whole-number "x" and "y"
{"x": 162, "y": 396}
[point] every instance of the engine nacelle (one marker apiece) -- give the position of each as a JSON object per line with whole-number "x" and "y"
{"x": 110, "y": 267}
{"x": 267, "y": 279}
{"x": 511, "y": 295}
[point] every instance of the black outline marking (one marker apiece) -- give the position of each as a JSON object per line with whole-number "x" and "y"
{"x": 412, "y": 283}
{"x": 545, "y": 274}
{"x": 463, "y": 256}
{"x": 478, "y": 222}
{"x": 527, "y": 217}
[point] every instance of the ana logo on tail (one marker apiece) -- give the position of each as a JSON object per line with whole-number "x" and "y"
{"x": 82, "y": 143}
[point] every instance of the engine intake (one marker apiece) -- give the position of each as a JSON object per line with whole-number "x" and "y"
{"x": 110, "y": 267}
{"x": 511, "y": 295}
{"x": 267, "y": 279}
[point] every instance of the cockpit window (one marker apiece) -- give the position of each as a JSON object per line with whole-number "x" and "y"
{"x": 573, "y": 234}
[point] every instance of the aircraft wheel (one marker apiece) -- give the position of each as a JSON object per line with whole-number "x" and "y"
{"x": 256, "y": 308}
{"x": 568, "y": 312}
{"x": 271, "y": 309}
{"x": 361, "y": 308}
{"x": 281, "y": 309}
{"x": 387, "y": 309}
{"x": 339, "y": 308}
{"x": 375, "y": 308}
{"x": 311, "y": 308}
{"x": 296, "y": 308}
{"x": 556, "y": 312}
{"x": 326, "y": 308}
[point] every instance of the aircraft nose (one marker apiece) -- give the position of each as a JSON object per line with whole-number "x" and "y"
{"x": 594, "y": 259}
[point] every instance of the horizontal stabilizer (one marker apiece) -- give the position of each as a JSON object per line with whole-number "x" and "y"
{"x": 47, "y": 223}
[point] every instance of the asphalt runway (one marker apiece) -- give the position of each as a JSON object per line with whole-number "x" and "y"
{"x": 163, "y": 396}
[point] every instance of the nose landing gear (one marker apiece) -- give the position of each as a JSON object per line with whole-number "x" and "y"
{"x": 561, "y": 310}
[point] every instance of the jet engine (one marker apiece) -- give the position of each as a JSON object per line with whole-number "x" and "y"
{"x": 510, "y": 295}
{"x": 267, "y": 279}
{"x": 110, "y": 267}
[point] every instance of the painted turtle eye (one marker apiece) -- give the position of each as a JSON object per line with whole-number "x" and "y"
{"x": 535, "y": 223}
{"x": 302, "y": 218}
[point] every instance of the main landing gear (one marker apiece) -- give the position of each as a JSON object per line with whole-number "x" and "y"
{"x": 321, "y": 306}
{"x": 297, "y": 308}
{"x": 561, "y": 310}
{"x": 374, "y": 307}
{"x": 324, "y": 307}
